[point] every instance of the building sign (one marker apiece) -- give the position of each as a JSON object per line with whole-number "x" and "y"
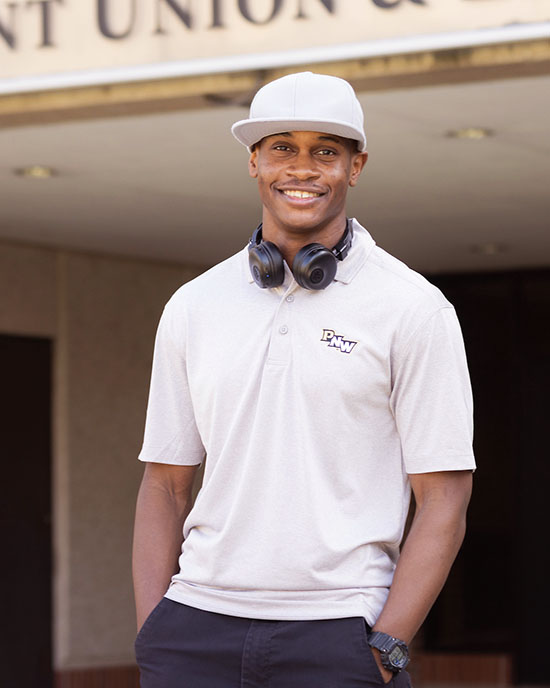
{"x": 45, "y": 37}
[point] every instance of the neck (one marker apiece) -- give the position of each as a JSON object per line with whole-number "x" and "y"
{"x": 289, "y": 240}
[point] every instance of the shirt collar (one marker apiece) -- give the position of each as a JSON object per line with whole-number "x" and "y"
{"x": 361, "y": 246}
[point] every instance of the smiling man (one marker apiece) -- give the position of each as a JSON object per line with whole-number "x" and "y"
{"x": 321, "y": 380}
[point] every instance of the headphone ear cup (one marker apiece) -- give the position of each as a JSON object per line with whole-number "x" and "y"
{"x": 314, "y": 267}
{"x": 266, "y": 265}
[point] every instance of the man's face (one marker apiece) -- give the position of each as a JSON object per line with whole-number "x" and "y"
{"x": 303, "y": 178}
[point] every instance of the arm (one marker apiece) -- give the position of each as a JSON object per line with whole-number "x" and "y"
{"x": 163, "y": 503}
{"x": 433, "y": 542}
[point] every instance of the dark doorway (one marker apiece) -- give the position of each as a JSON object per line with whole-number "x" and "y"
{"x": 25, "y": 512}
{"x": 497, "y": 597}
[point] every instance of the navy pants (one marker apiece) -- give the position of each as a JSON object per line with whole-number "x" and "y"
{"x": 184, "y": 647}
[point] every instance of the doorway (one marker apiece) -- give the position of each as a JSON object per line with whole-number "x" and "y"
{"x": 25, "y": 512}
{"x": 497, "y": 597}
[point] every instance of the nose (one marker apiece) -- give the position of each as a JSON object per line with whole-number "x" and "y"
{"x": 303, "y": 166}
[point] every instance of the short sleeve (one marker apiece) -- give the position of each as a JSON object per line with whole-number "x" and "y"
{"x": 432, "y": 398}
{"x": 171, "y": 434}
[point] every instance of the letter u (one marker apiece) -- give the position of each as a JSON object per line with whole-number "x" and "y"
{"x": 103, "y": 22}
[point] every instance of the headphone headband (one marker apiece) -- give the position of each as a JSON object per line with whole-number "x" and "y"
{"x": 342, "y": 248}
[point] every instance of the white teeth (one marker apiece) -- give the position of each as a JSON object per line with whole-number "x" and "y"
{"x": 300, "y": 194}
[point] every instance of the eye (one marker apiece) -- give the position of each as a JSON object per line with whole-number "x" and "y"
{"x": 326, "y": 152}
{"x": 281, "y": 147}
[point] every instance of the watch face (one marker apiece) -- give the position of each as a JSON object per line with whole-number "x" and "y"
{"x": 398, "y": 658}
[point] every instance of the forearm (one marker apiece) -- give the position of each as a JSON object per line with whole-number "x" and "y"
{"x": 157, "y": 543}
{"x": 427, "y": 556}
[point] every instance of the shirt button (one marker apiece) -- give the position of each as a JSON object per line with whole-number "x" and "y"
{"x": 290, "y": 298}
{"x": 283, "y": 329}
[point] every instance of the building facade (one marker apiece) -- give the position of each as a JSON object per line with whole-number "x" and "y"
{"x": 121, "y": 181}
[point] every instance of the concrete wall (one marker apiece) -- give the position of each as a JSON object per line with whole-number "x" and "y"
{"x": 101, "y": 313}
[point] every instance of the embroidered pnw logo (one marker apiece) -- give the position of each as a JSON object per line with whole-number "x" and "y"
{"x": 337, "y": 341}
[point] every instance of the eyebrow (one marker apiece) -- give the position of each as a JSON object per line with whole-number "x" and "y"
{"x": 322, "y": 137}
{"x": 336, "y": 139}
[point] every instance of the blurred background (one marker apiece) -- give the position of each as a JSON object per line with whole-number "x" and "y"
{"x": 120, "y": 180}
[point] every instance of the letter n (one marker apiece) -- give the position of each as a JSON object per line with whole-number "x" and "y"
{"x": 329, "y": 5}
{"x": 8, "y": 32}
{"x": 182, "y": 13}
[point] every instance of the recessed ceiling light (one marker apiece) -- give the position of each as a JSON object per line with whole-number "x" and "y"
{"x": 36, "y": 172}
{"x": 470, "y": 133}
{"x": 489, "y": 248}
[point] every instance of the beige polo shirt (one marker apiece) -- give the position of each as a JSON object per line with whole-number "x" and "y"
{"x": 311, "y": 407}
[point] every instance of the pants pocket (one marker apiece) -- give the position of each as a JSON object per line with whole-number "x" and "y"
{"x": 145, "y": 629}
{"x": 399, "y": 680}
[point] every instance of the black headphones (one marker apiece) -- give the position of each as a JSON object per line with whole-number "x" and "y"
{"x": 314, "y": 266}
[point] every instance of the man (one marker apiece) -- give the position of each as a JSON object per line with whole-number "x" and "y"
{"x": 322, "y": 379}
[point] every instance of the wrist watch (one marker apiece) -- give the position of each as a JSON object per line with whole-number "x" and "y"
{"x": 394, "y": 654}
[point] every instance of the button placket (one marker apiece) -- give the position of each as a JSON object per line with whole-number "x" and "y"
{"x": 280, "y": 344}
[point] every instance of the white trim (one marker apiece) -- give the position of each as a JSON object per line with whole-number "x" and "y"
{"x": 237, "y": 63}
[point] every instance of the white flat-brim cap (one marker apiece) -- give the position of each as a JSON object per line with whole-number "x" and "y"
{"x": 303, "y": 102}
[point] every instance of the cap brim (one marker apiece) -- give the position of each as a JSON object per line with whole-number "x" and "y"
{"x": 250, "y": 131}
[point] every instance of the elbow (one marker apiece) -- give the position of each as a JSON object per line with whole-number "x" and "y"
{"x": 447, "y": 518}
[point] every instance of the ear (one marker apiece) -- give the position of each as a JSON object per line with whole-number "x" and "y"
{"x": 358, "y": 162}
{"x": 253, "y": 163}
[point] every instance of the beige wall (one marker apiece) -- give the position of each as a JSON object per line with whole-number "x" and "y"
{"x": 28, "y": 288}
{"x": 102, "y": 313}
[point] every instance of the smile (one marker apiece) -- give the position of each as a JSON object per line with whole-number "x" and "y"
{"x": 294, "y": 193}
